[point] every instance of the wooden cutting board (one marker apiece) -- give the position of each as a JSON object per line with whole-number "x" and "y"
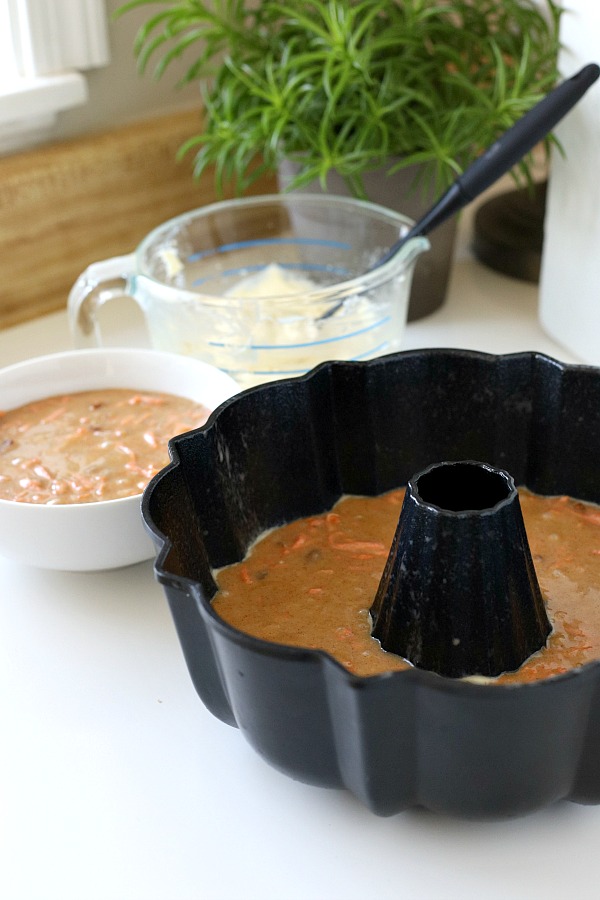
{"x": 72, "y": 203}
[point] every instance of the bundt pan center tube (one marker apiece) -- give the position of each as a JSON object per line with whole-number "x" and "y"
{"x": 459, "y": 594}
{"x": 413, "y": 737}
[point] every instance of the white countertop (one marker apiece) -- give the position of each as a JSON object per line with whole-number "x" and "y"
{"x": 117, "y": 784}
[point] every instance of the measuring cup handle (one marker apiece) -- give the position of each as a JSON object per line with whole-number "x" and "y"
{"x": 100, "y": 282}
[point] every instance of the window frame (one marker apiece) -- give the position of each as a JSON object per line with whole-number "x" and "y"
{"x": 54, "y": 42}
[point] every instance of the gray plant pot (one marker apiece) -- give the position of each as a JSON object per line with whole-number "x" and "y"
{"x": 400, "y": 193}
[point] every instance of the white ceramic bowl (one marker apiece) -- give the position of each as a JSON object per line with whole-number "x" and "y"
{"x": 110, "y": 533}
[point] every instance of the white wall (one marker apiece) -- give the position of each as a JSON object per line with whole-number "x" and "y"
{"x": 118, "y": 94}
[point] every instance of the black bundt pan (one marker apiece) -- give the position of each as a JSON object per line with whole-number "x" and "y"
{"x": 290, "y": 449}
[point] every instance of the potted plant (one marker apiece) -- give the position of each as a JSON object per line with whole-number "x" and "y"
{"x": 353, "y": 86}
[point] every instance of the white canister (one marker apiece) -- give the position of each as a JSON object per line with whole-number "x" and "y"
{"x": 570, "y": 274}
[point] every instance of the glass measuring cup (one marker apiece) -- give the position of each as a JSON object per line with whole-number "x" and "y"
{"x": 262, "y": 287}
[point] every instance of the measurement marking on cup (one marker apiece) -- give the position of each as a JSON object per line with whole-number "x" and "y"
{"x": 291, "y": 372}
{"x": 331, "y": 340}
{"x": 268, "y": 242}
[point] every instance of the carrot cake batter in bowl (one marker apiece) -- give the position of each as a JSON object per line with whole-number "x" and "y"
{"x": 81, "y": 434}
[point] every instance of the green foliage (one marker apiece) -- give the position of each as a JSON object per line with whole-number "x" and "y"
{"x": 347, "y": 85}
